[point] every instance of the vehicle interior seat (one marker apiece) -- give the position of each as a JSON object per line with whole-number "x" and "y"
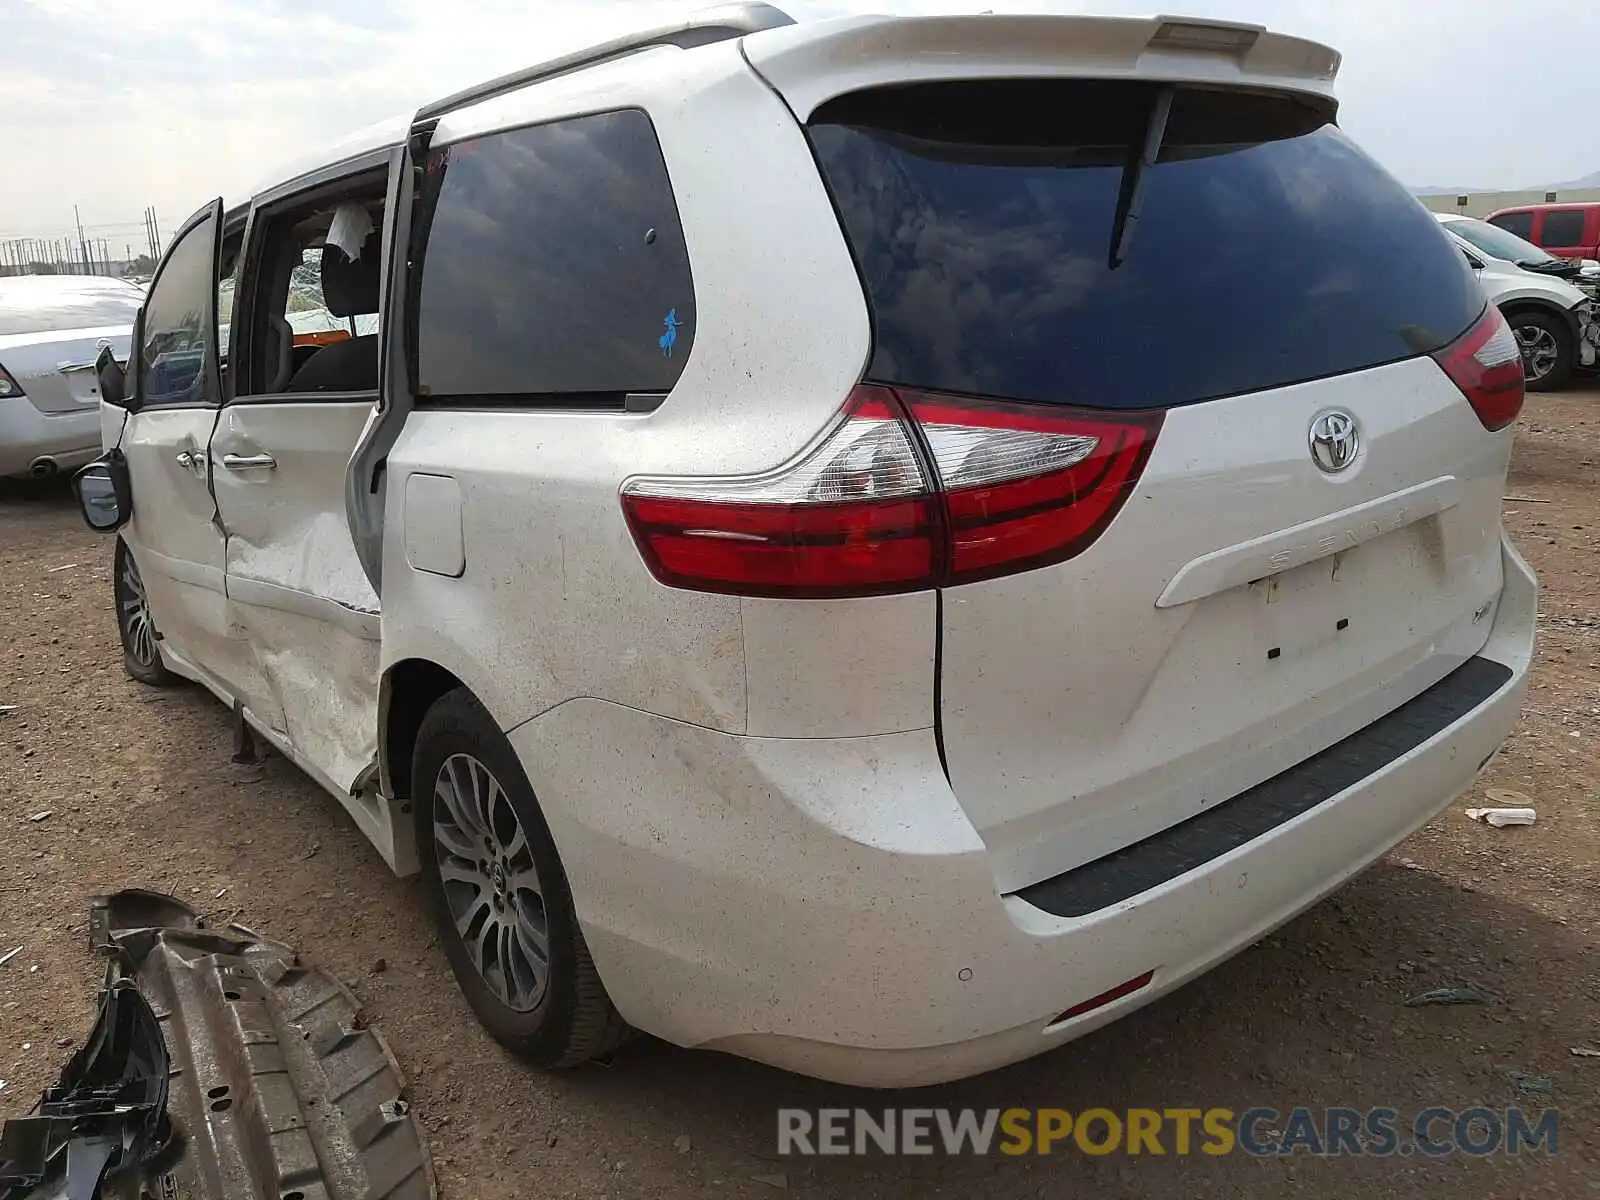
{"x": 349, "y": 289}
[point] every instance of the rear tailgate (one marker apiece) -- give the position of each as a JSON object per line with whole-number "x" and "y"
{"x": 1247, "y": 607}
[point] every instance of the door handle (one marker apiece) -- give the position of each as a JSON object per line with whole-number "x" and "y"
{"x": 190, "y": 461}
{"x": 246, "y": 462}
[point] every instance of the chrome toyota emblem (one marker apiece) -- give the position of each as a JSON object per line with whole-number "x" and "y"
{"x": 1334, "y": 440}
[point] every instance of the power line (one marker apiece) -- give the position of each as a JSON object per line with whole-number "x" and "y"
{"x": 81, "y": 249}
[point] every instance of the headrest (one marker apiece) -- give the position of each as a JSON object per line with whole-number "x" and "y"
{"x": 350, "y": 288}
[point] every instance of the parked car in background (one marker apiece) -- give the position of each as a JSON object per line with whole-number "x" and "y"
{"x": 1553, "y": 319}
{"x": 52, "y": 328}
{"x": 1566, "y": 230}
{"x": 1499, "y": 243}
{"x": 890, "y": 649}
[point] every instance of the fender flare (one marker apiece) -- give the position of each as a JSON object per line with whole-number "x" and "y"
{"x": 1520, "y": 304}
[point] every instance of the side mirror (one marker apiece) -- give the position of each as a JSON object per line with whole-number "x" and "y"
{"x": 112, "y": 378}
{"x": 104, "y": 493}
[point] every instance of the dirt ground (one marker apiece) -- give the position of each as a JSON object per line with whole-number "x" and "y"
{"x": 141, "y": 791}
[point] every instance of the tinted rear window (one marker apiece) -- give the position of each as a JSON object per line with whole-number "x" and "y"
{"x": 1562, "y": 228}
{"x": 1268, "y": 249}
{"x": 47, "y": 306}
{"x": 1519, "y": 223}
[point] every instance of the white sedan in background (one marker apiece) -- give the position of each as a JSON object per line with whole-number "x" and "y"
{"x": 52, "y": 328}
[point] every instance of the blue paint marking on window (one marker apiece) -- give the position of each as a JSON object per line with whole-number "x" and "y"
{"x": 669, "y": 339}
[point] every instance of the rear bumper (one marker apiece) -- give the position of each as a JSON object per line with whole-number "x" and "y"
{"x": 825, "y": 905}
{"x": 26, "y": 434}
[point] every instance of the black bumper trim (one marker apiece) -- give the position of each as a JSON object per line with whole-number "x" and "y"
{"x": 1247, "y": 816}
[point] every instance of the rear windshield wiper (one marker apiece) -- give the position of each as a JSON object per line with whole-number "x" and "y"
{"x": 1141, "y": 156}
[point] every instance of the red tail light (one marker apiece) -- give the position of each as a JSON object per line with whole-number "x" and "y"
{"x": 908, "y": 491}
{"x": 1028, "y": 485}
{"x": 8, "y": 385}
{"x": 1486, "y": 365}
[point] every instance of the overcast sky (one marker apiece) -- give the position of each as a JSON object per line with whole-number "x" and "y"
{"x": 116, "y": 104}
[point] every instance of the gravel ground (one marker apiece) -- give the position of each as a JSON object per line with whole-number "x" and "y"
{"x": 140, "y": 791}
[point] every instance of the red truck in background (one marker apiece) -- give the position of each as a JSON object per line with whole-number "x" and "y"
{"x": 1566, "y": 230}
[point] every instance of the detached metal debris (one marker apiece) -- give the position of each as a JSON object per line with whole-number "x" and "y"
{"x": 220, "y": 1066}
{"x": 1449, "y": 995}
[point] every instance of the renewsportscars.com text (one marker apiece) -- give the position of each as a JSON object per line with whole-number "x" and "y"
{"x": 1325, "y": 1132}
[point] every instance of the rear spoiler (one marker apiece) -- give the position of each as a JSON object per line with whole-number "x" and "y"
{"x": 811, "y": 63}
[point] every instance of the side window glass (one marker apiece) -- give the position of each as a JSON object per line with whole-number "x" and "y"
{"x": 179, "y": 317}
{"x": 1519, "y": 223}
{"x": 554, "y": 268}
{"x": 1562, "y": 228}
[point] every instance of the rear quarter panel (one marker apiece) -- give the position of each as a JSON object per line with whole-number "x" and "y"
{"x": 555, "y": 602}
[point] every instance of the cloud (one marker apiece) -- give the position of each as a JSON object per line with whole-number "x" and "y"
{"x": 114, "y": 105}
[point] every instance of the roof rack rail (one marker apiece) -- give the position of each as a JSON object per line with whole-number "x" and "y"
{"x": 713, "y": 25}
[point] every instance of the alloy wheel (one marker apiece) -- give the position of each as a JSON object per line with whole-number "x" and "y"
{"x": 135, "y": 606}
{"x": 1540, "y": 353}
{"x": 490, "y": 883}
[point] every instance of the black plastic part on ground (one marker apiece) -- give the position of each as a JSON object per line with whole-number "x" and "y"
{"x": 220, "y": 1067}
{"x": 106, "y": 1116}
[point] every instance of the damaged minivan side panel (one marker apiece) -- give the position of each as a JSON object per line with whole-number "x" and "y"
{"x": 280, "y": 453}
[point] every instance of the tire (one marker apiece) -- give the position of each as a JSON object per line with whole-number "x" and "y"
{"x": 1547, "y": 338}
{"x": 141, "y": 651}
{"x": 490, "y": 920}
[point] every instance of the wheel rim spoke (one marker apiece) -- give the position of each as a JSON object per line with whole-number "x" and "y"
{"x": 490, "y": 882}
{"x": 525, "y": 965}
{"x": 1539, "y": 351}
{"x": 493, "y": 801}
{"x": 457, "y": 870}
{"x": 516, "y": 849}
{"x": 477, "y": 797}
{"x": 135, "y": 607}
{"x": 487, "y": 956}
{"x": 531, "y": 931}
{"x": 455, "y": 841}
{"x": 455, "y": 794}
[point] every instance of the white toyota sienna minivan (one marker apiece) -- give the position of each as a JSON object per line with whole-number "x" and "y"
{"x": 877, "y": 545}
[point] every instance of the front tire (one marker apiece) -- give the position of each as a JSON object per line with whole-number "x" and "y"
{"x": 141, "y": 649}
{"x": 1549, "y": 350}
{"x": 499, "y": 893}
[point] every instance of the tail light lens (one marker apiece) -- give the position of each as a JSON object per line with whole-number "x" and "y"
{"x": 8, "y": 385}
{"x": 908, "y": 491}
{"x": 1025, "y": 485}
{"x": 1486, "y": 364}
